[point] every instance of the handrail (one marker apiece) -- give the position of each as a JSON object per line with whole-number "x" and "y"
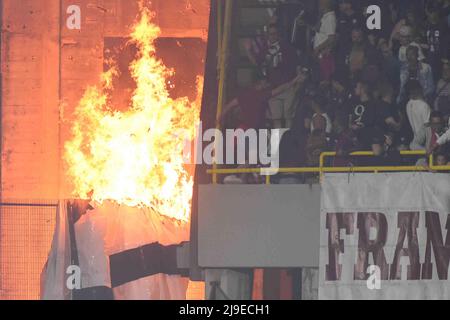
{"x": 322, "y": 169}
{"x": 323, "y": 155}
{"x": 224, "y": 32}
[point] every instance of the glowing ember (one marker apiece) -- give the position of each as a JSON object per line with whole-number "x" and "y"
{"x": 135, "y": 157}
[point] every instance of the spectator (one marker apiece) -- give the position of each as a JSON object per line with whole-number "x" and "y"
{"x": 442, "y": 159}
{"x": 440, "y": 142}
{"x": 316, "y": 144}
{"x": 406, "y": 40}
{"x": 437, "y": 38}
{"x": 362, "y": 113}
{"x": 413, "y": 69}
{"x": 348, "y": 19}
{"x": 445, "y": 12}
{"x": 385, "y": 154}
{"x": 280, "y": 62}
{"x": 364, "y": 84}
{"x": 390, "y": 65}
{"x": 338, "y": 95}
{"x": 279, "y": 59}
{"x": 255, "y": 48}
{"x": 408, "y": 9}
{"x": 292, "y": 149}
{"x": 253, "y": 102}
{"x": 417, "y": 109}
{"x": 320, "y": 119}
{"x": 350, "y": 56}
{"x": 388, "y": 116}
{"x": 442, "y": 102}
{"x": 324, "y": 39}
{"x": 430, "y": 133}
{"x": 345, "y": 143}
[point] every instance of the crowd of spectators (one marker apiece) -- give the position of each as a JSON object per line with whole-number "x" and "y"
{"x": 350, "y": 88}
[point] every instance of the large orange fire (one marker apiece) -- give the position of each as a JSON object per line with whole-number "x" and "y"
{"x": 135, "y": 157}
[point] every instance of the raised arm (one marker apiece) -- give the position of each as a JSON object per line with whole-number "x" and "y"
{"x": 444, "y": 139}
{"x": 230, "y": 106}
{"x": 297, "y": 80}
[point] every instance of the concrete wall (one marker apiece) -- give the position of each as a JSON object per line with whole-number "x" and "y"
{"x": 242, "y": 226}
{"x": 30, "y": 137}
{"x": 45, "y": 68}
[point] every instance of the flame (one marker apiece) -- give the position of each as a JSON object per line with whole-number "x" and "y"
{"x": 135, "y": 157}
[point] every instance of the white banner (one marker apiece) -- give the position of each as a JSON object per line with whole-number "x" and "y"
{"x": 385, "y": 236}
{"x": 124, "y": 249}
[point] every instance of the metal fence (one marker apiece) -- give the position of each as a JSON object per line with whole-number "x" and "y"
{"x": 322, "y": 168}
{"x": 26, "y": 231}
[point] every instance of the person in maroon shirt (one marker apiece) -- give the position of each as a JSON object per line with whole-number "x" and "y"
{"x": 253, "y": 102}
{"x": 277, "y": 62}
{"x": 276, "y": 58}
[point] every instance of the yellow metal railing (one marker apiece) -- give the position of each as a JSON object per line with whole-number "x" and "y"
{"x": 322, "y": 169}
{"x": 224, "y": 36}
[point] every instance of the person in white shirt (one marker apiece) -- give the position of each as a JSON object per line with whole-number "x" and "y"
{"x": 431, "y": 136}
{"x": 417, "y": 109}
{"x": 320, "y": 119}
{"x": 430, "y": 133}
{"x": 324, "y": 40}
{"x": 406, "y": 40}
{"x": 444, "y": 139}
{"x": 326, "y": 32}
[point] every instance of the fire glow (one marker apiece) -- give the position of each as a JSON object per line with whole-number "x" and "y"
{"x": 135, "y": 157}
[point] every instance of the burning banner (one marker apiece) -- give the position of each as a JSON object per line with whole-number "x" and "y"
{"x": 377, "y": 245}
{"x": 122, "y": 253}
{"x": 127, "y": 237}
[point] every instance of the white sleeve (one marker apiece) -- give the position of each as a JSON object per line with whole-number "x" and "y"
{"x": 329, "y": 25}
{"x": 409, "y": 115}
{"x": 444, "y": 138}
{"x": 426, "y": 113}
{"x": 421, "y": 55}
